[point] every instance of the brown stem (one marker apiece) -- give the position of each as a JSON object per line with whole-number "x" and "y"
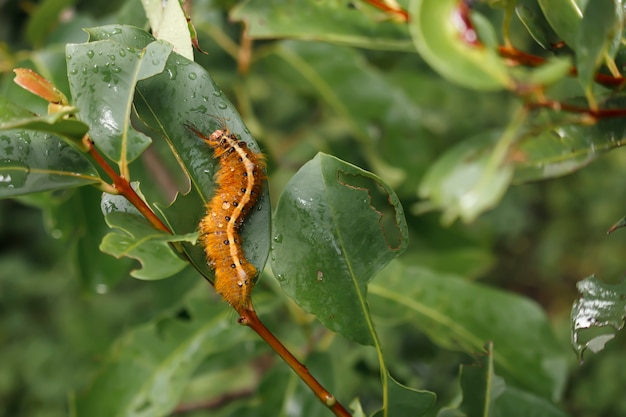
{"x": 597, "y": 114}
{"x": 250, "y": 319}
{"x": 123, "y": 187}
{"x": 530, "y": 60}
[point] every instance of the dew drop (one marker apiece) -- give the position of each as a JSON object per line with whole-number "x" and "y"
{"x": 74, "y": 71}
{"x": 278, "y": 238}
{"x": 222, "y": 105}
{"x": 90, "y": 53}
{"x": 217, "y": 93}
{"x": 192, "y": 76}
{"x": 122, "y": 53}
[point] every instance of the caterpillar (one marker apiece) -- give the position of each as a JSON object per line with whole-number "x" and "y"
{"x": 239, "y": 181}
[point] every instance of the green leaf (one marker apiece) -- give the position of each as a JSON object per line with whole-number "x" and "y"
{"x": 147, "y": 369}
{"x": 564, "y": 16}
{"x": 558, "y": 144}
{"x": 481, "y": 386}
{"x": 134, "y": 237}
{"x": 103, "y": 75}
{"x": 202, "y": 104}
{"x": 515, "y": 402}
{"x": 535, "y": 22}
{"x": 32, "y": 161}
{"x": 526, "y": 348}
{"x": 486, "y": 394}
{"x": 405, "y": 401}
{"x": 333, "y": 231}
{"x": 439, "y": 36}
{"x": 600, "y": 24}
{"x": 13, "y": 116}
{"x": 466, "y": 180}
{"x": 601, "y": 305}
{"x": 339, "y": 21}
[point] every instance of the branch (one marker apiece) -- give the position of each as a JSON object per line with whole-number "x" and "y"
{"x": 250, "y": 319}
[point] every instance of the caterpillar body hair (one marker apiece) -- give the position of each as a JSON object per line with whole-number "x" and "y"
{"x": 239, "y": 182}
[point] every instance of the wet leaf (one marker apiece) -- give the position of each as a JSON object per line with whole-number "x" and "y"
{"x": 332, "y": 234}
{"x": 601, "y": 305}
{"x": 32, "y": 161}
{"x": 103, "y": 75}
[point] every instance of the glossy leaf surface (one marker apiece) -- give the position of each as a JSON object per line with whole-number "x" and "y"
{"x": 601, "y": 305}
{"x": 32, "y": 161}
{"x": 331, "y": 236}
{"x": 103, "y": 75}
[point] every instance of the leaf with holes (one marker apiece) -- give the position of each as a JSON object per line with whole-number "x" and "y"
{"x": 336, "y": 226}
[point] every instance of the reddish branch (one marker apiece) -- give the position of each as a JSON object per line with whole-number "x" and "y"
{"x": 122, "y": 185}
{"x": 523, "y": 58}
{"x": 250, "y": 319}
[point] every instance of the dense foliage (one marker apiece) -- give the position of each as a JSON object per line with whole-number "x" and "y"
{"x": 427, "y": 218}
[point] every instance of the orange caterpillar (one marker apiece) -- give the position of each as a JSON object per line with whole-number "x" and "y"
{"x": 239, "y": 179}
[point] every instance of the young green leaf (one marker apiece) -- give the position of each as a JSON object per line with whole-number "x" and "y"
{"x": 444, "y": 40}
{"x": 331, "y": 237}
